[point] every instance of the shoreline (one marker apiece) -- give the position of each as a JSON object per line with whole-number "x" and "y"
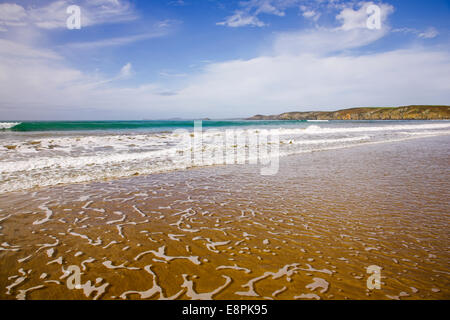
{"x": 112, "y": 179}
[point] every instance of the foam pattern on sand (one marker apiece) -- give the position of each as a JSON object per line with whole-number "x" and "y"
{"x": 203, "y": 234}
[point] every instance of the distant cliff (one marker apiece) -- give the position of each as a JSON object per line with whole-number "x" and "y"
{"x": 400, "y": 113}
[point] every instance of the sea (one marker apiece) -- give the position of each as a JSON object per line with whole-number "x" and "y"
{"x": 41, "y": 154}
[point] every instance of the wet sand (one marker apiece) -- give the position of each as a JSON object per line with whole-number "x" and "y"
{"x": 226, "y": 232}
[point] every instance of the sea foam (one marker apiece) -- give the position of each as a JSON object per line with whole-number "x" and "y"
{"x": 8, "y": 125}
{"x": 39, "y": 160}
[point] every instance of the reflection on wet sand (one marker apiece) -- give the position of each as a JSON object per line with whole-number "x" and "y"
{"x": 309, "y": 232}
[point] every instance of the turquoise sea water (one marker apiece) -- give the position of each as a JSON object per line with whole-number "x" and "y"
{"x": 149, "y": 125}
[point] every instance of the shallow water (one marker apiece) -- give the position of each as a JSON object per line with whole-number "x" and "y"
{"x": 226, "y": 232}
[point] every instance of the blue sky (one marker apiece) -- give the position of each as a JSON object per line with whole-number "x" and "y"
{"x": 210, "y": 58}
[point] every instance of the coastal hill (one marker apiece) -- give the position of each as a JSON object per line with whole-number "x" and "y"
{"x": 400, "y": 113}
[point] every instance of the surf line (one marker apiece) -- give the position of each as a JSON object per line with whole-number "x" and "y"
{"x": 229, "y": 147}
{"x": 193, "y": 310}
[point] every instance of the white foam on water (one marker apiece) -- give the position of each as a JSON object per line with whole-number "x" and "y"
{"x": 48, "y": 215}
{"x": 5, "y": 217}
{"x": 120, "y": 230}
{"x": 39, "y": 162}
{"x": 84, "y": 262}
{"x": 175, "y": 236}
{"x": 15, "y": 284}
{"x": 139, "y": 211}
{"x": 277, "y": 292}
{"x": 161, "y": 254}
{"x": 211, "y": 245}
{"x": 89, "y": 288}
{"x": 155, "y": 289}
{"x": 191, "y": 293}
{"x": 314, "y": 129}
{"x": 234, "y": 267}
{"x": 8, "y": 125}
{"x": 119, "y": 220}
{"x": 10, "y": 249}
{"x": 91, "y": 242}
{"x": 22, "y": 295}
{"x": 25, "y": 259}
{"x": 307, "y": 296}
{"x": 110, "y": 244}
{"x": 318, "y": 283}
{"x": 58, "y": 261}
{"x": 330, "y": 141}
{"x": 108, "y": 264}
{"x": 287, "y": 271}
{"x": 311, "y": 269}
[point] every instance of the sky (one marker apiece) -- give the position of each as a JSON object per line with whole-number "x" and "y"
{"x": 154, "y": 59}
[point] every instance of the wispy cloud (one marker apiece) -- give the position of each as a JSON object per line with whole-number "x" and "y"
{"x": 13, "y": 49}
{"x": 248, "y": 14}
{"x": 352, "y": 32}
{"x": 172, "y": 74}
{"x": 118, "y": 41}
{"x": 429, "y": 33}
{"x": 240, "y": 19}
{"x": 126, "y": 71}
{"x": 54, "y": 15}
{"x": 177, "y": 3}
{"x": 11, "y": 15}
{"x": 310, "y": 13}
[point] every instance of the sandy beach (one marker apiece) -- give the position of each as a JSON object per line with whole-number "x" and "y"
{"x": 227, "y": 232}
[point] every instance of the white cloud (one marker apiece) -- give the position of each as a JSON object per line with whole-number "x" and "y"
{"x": 325, "y": 41}
{"x": 240, "y": 19}
{"x": 179, "y": 3}
{"x": 311, "y": 14}
{"x": 267, "y": 84}
{"x": 249, "y": 11}
{"x": 351, "y": 33}
{"x": 33, "y": 76}
{"x": 54, "y": 15}
{"x": 118, "y": 41}
{"x": 126, "y": 71}
{"x": 13, "y": 49}
{"x": 307, "y": 81}
{"x": 248, "y": 14}
{"x": 356, "y": 19}
{"x": 172, "y": 74}
{"x": 11, "y": 12}
{"x": 429, "y": 33}
{"x": 11, "y": 15}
